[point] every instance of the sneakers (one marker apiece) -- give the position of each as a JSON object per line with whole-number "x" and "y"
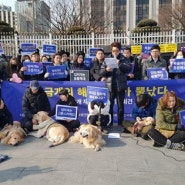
{"x": 3, "y": 157}
{"x": 175, "y": 146}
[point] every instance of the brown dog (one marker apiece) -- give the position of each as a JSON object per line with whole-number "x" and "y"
{"x": 12, "y": 136}
{"x": 49, "y": 128}
{"x": 90, "y": 136}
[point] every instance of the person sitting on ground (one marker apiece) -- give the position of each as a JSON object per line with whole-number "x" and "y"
{"x": 169, "y": 132}
{"x": 66, "y": 99}
{"x": 99, "y": 114}
{"x": 34, "y": 100}
{"x": 144, "y": 107}
{"x": 5, "y": 115}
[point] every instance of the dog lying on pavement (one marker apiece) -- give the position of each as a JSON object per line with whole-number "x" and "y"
{"x": 50, "y": 129}
{"x": 90, "y": 136}
{"x": 12, "y": 136}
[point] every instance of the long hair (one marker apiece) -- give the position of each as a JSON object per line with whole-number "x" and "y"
{"x": 166, "y": 97}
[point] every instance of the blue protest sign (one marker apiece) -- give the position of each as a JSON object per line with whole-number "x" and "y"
{"x": 49, "y": 49}
{"x": 87, "y": 62}
{"x": 33, "y": 68}
{"x": 64, "y": 112}
{"x": 56, "y": 72}
{"x": 28, "y": 48}
{"x": 157, "y": 73}
{"x": 79, "y": 75}
{"x": 146, "y": 48}
{"x": 1, "y": 49}
{"x": 92, "y": 52}
{"x": 97, "y": 93}
{"x": 177, "y": 65}
{"x": 47, "y": 64}
{"x": 182, "y": 117}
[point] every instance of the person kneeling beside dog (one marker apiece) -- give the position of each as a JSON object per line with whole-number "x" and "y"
{"x": 143, "y": 113}
{"x": 99, "y": 114}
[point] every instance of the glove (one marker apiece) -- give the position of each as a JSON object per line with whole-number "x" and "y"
{"x": 46, "y": 75}
{"x": 180, "y": 127}
{"x": 101, "y": 104}
{"x": 92, "y": 104}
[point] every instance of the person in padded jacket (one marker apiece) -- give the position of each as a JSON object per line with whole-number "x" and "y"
{"x": 66, "y": 99}
{"x": 34, "y": 100}
{"x": 116, "y": 81}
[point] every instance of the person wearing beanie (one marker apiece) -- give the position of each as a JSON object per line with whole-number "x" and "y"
{"x": 34, "y": 100}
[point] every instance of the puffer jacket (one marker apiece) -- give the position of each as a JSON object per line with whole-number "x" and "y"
{"x": 124, "y": 67}
{"x": 32, "y": 103}
{"x": 167, "y": 119}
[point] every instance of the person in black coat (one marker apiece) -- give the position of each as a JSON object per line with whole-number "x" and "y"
{"x": 34, "y": 100}
{"x": 66, "y": 99}
{"x": 5, "y": 115}
{"x": 98, "y": 66}
{"x": 116, "y": 81}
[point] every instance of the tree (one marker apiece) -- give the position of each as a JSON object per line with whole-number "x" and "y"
{"x": 172, "y": 16}
{"x": 77, "y": 13}
{"x": 146, "y": 26}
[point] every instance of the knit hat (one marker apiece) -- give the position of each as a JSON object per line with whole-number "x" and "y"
{"x": 34, "y": 85}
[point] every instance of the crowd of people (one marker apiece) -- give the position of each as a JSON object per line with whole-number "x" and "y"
{"x": 165, "y": 130}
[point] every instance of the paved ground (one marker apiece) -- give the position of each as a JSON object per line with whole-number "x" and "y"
{"x": 124, "y": 161}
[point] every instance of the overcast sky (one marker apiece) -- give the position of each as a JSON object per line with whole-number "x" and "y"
{"x": 8, "y": 3}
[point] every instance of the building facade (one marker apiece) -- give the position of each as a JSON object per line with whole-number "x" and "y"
{"x": 125, "y": 14}
{"x": 8, "y": 16}
{"x": 32, "y": 16}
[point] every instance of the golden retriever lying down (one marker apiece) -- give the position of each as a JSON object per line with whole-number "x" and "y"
{"x": 90, "y": 136}
{"x": 12, "y": 136}
{"x": 49, "y": 128}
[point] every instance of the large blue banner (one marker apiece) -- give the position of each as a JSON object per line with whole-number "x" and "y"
{"x": 13, "y": 93}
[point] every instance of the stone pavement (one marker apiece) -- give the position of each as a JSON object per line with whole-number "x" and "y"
{"x": 125, "y": 161}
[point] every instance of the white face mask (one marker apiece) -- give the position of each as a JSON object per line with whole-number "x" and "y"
{"x": 179, "y": 57}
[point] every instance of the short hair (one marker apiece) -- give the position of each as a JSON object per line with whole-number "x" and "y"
{"x": 116, "y": 44}
{"x": 100, "y": 49}
{"x": 156, "y": 46}
{"x": 64, "y": 92}
{"x": 166, "y": 97}
{"x": 127, "y": 48}
{"x": 142, "y": 99}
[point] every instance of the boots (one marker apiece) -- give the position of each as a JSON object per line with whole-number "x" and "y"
{"x": 175, "y": 146}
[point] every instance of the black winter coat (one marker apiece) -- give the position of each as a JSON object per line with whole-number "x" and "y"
{"x": 119, "y": 74}
{"x": 70, "y": 102}
{"x": 5, "y": 117}
{"x": 97, "y": 69}
{"x": 32, "y": 103}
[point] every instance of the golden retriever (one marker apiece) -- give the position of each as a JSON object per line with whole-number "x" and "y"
{"x": 12, "y": 136}
{"x": 49, "y": 128}
{"x": 90, "y": 136}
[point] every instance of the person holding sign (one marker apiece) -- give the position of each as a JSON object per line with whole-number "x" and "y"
{"x": 169, "y": 131}
{"x": 116, "y": 80}
{"x": 178, "y": 55}
{"x": 35, "y": 72}
{"x": 154, "y": 61}
{"x": 57, "y": 73}
{"x": 68, "y": 100}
